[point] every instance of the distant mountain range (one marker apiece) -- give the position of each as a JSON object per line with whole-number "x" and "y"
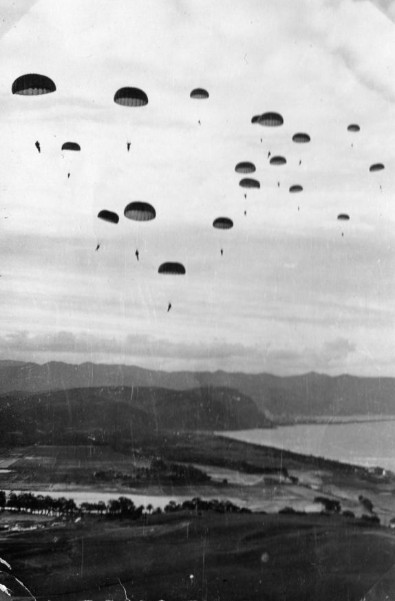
{"x": 306, "y": 396}
{"x": 131, "y": 413}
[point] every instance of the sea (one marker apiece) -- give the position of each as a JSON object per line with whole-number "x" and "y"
{"x": 364, "y": 443}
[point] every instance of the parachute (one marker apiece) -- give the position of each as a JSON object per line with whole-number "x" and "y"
{"x": 278, "y": 160}
{"x": 223, "y": 223}
{"x": 353, "y": 127}
{"x": 376, "y": 167}
{"x": 140, "y": 211}
{"x": 296, "y": 188}
{"x": 199, "y": 94}
{"x": 172, "y": 269}
{"x": 268, "y": 119}
{"x": 301, "y": 138}
{"x": 245, "y": 167}
{"x": 248, "y": 182}
{"x": 131, "y": 97}
{"x": 71, "y": 146}
{"x": 343, "y": 217}
{"x": 108, "y": 216}
{"x": 33, "y": 84}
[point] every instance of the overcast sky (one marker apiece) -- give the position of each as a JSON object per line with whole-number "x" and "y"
{"x": 295, "y": 290}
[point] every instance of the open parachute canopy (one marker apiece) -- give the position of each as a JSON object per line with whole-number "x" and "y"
{"x": 353, "y": 127}
{"x": 140, "y": 211}
{"x": 278, "y": 160}
{"x": 108, "y": 216}
{"x": 172, "y": 269}
{"x": 296, "y": 188}
{"x": 249, "y": 182}
{"x": 131, "y": 97}
{"x": 223, "y": 223}
{"x": 33, "y": 84}
{"x": 268, "y": 119}
{"x": 300, "y": 138}
{"x": 376, "y": 167}
{"x": 343, "y": 217}
{"x": 71, "y": 146}
{"x": 245, "y": 167}
{"x": 199, "y": 94}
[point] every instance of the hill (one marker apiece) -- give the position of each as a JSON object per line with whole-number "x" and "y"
{"x": 103, "y": 413}
{"x": 293, "y": 397}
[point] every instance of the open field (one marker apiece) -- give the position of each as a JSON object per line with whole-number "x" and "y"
{"x": 253, "y": 476}
{"x": 189, "y": 556}
{"x": 185, "y": 556}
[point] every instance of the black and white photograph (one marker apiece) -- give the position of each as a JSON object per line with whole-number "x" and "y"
{"x": 197, "y": 300}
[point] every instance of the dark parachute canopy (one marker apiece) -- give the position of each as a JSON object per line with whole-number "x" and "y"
{"x": 376, "y": 167}
{"x": 71, "y": 146}
{"x": 140, "y": 211}
{"x": 245, "y": 167}
{"x": 172, "y": 269}
{"x": 33, "y": 84}
{"x": 108, "y": 216}
{"x": 278, "y": 160}
{"x": 343, "y": 217}
{"x": 223, "y": 223}
{"x": 296, "y": 188}
{"x": 353, "y": 127}
{"x": 131, "y": 97}
{"x": 248, "y": 182}
{"x": 199, "y": 94}
{"x": 300, "y": 138}
{"x": 268, "y": 119}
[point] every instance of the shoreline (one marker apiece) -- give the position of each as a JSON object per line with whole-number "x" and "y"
{"x": 315, "y": 459}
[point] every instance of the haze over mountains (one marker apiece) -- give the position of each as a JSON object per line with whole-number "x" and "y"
{"x": 303, "y": 396}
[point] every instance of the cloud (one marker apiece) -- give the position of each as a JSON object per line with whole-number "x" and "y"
{"x": 130, "y": 346}
{"x": 387, "y": 7}
{"x": 338, "y": 355}
{"x": 347, "y": 28}
{"x": 12, "y": 12}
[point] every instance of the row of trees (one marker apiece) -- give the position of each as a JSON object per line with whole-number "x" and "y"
{"x": 27, "y": 502}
